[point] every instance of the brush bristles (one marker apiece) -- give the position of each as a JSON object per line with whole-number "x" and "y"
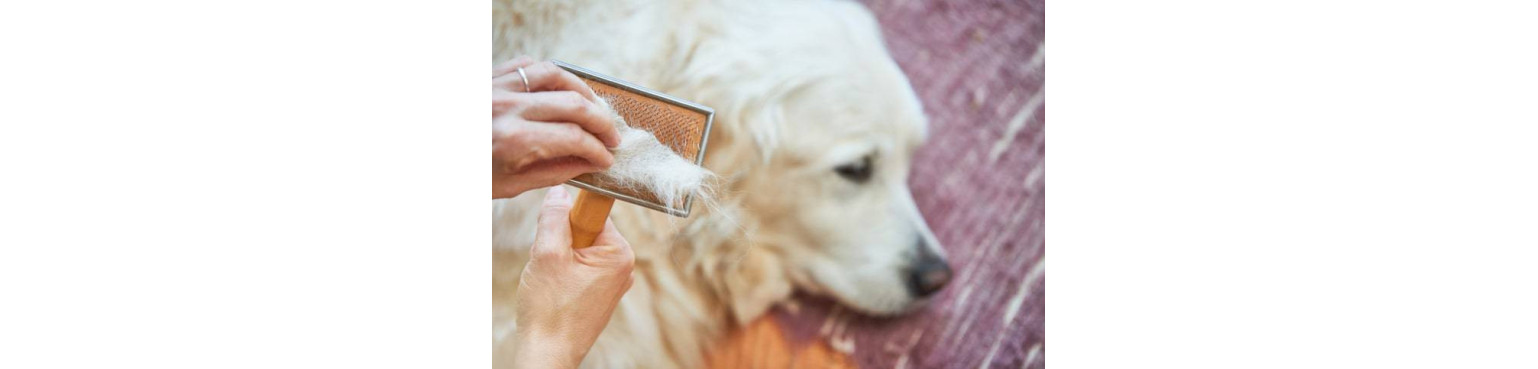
{"x": 642, "y": 163}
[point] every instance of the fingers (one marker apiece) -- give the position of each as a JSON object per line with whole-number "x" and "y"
{"x": 511, "y": 66}
{"x": 534, "y": 142}
{"x": 545, "y": 76}
{"x": 553, "y": 236}
{"x": 546, "y": 173}
{"x": 611, "y": 236}
{"x": 502, "y": 101}
{"x": 609, "y": 251}
{"x": 505, "y": 76}
{"x": 566, "y": 107}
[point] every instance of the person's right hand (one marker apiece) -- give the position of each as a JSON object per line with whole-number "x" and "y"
{"x": 566, "y": 295}
{"x": 546, "y": 132}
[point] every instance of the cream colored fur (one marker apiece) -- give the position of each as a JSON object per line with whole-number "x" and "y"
{"x": 642, "y": 164}
{"x": 800, "y": 88}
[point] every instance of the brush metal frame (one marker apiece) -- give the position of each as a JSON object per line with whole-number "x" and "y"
{"x": 699, "y": 158}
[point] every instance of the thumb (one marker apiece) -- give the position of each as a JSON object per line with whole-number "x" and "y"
{"x": 553, "y": 236}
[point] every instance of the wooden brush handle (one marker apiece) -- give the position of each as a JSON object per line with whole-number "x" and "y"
{"x": 587, "y": 217}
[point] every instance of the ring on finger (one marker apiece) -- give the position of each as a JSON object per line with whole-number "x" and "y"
{"x": 525, "y": 77}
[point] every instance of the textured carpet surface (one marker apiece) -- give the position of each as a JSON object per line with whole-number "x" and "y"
{"x": 979, "y": 68}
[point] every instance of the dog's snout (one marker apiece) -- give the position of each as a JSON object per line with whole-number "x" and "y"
{"x": 929, "y": 274}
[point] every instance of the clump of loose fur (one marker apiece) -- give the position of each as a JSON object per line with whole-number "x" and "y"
{"x": 641, "y": 162}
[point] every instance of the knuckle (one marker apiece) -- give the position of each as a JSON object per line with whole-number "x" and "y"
{"x": 545, "y": 253}
{"x": 547, "y": 69}
{"x": 516, "y": 139}
{"x": 571, "y": 100}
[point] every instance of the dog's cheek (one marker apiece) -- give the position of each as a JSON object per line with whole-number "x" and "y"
{"x": 758, "y": 282}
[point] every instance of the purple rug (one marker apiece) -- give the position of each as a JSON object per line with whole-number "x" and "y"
{"x": 978, "y": 66}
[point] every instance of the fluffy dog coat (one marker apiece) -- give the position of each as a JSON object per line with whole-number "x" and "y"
{"x": 798, "y": 87}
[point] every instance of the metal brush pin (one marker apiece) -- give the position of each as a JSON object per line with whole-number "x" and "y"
{"x": 682, "y": 126}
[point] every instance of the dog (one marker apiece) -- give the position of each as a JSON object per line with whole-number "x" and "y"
{"x": 815, "y": 130}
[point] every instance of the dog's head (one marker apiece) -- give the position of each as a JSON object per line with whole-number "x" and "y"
{"x": 834, "y": 197}
{"x": 818, "y": 132}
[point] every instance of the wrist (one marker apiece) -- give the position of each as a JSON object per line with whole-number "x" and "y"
{"x": 539, "y": 350}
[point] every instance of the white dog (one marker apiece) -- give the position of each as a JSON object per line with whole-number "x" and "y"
{"x": 815, "y": 130}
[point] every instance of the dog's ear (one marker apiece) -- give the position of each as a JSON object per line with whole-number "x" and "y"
{"x": 755, "y": 284}
{"x": 748, "y": 90}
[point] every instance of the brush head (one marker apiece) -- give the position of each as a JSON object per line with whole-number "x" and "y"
{"x": 682, "y": 126}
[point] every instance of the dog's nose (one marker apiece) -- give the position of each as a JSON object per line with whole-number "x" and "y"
{"x": 930, "y": 273}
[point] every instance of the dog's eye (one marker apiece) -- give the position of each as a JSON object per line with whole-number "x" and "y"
{"x": 858, "y": 171}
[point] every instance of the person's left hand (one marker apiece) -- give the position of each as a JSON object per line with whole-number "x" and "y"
{"x": 546, "y": 132}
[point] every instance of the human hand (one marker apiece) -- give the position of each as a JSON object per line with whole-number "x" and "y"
{"x": 545, "y": 132}
{"x": 566, "y": 296}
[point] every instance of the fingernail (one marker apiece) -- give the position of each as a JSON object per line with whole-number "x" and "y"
{"x": 559, "y": 193}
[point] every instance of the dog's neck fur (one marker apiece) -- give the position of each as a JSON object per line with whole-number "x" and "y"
{"x": 518, "y": 24}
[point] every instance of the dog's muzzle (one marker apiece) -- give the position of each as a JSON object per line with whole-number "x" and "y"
{"x": 929, "y": 273}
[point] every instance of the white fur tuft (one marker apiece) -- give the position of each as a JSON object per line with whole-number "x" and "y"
{"x": 643, "y": 163}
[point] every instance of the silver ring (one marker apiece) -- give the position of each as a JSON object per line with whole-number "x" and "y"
{"x": 525, "y": 79}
